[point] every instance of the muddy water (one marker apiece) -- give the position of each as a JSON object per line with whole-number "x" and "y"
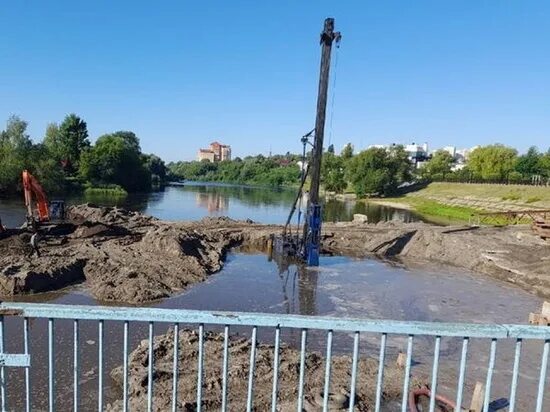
{"x": 194, "y": 201}
{"x": 340, "y": 287}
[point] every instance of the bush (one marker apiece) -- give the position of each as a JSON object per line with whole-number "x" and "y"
{"x": 109, "y": 190}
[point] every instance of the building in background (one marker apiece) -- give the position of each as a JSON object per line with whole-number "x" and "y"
{"x": 417, "y": 153}
{"x": 216, "y": 153}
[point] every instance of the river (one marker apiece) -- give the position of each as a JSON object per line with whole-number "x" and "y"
{"x": 341, "y": 287}
{"x": 195, "y": 200}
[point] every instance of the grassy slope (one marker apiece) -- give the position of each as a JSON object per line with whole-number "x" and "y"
{"x": 522, "y": 195}
{"x": 459, "y": 201}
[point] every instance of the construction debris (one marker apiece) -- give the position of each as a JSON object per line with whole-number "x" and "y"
{"x": 542, "y": 228}
{"x": 543, "y": 318}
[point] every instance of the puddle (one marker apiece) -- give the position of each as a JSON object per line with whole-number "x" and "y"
{"x": 340, "y": 287}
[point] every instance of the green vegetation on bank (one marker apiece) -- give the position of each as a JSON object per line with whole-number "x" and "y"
{"x": 66, "y": 160}
{"x": 278, "y": 170}
{"x": 433, "y": 209}
{"x": 459, "y": 201}
{"x": 106, "y": 190}
{"x": 491, "y": 164}
{"x": 520, "y": 195}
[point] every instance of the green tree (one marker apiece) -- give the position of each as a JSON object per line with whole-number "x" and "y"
{"x": 130, "y": 138}
{"x": 330, "y": 149}
{"x": 115, "y": 160}
{"x": 156, "y": 168}
{"x": 72, "y": 140}
{"x": 17, "y": 153}
{"x": 333, "y": 173}
{"x": 378, "y": 171}
{"x": 493, "y": 162}
{"x": 347, "y": 152}
{"x": 439, "y": 166}
{"x": 544, "y": 164}
{"x": 529, "y": 163}
{"x": 15, "y": 147}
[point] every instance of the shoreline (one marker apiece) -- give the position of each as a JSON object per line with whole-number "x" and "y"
{"x": 129, "y": 257}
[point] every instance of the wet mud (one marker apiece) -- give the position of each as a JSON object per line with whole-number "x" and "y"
{"x": 129, "y": 257}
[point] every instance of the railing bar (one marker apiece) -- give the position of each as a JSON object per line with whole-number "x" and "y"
{"x": 462, "y": 374}
{"x": 51, "y": 372}
{"x": 27, "y": 369}
{"x": 354, "y": 371}
{"x": 380, "y": 379}
{"x": 326, "y": 391}
{"x": 275, "y": 369}
{"x": 150, "y": 370}
{"x": 490, "y": 370}
{"x": 250, "y": 395}
{"x": 199, "y": 369}
{"x": 407, "y": 374}
{"x": 100, "y": 366}
{"x": 435, "y": 370}
{"x": 76, "y": 366}
{"x": 175, "y": 368}
{"x": 283, "y": 321}
{"x": 2, "y": 371}
{"x": 125, "y": 367}
{"x": 225, "y": 366}
{"x": 515, "y": 374}
{"x": 542, "y": 378}
{"x": 302, "y": 369}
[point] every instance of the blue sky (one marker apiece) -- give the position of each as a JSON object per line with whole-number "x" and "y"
{"x": 181, "y": 74}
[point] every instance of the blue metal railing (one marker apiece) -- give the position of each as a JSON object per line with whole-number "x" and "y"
{"x": 277, "y": 322}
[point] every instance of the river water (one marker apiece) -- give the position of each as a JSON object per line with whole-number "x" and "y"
{"x": 195, "y": 200}
{"x": 340, "y": 287}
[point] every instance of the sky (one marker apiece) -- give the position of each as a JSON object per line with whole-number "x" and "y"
{"x": 181, "y": 74}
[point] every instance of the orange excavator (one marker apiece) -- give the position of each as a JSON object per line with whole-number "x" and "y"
{"x": 45, "y": 211}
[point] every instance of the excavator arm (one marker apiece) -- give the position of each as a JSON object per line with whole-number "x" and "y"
{"x": 32, "y": 187}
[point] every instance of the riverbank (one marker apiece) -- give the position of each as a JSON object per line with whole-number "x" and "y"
{"x": 460, "y": 201}
{"x": 128, "y": 257}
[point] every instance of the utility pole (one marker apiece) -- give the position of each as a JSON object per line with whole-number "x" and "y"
{"x": 312, "y": 226}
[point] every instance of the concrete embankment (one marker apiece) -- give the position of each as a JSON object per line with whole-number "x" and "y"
{"x": 128, "y": 257}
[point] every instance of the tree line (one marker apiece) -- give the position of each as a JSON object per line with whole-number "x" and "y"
{"x": 491, "y": 164}
{"x": 274, "y": 171}
{"x": 375, "y": 171}
{"x": 66, "y": 160}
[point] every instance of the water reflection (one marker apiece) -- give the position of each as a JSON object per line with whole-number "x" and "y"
{"x": 214, "y": 202}
{"x": 194, "y": 201}
{"x": 303, "y": 299}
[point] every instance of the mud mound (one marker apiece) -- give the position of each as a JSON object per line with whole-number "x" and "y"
{"x": 107, "y": 215}
{"x": 129, "y": 257}
{"x": 23, "y": 277}
{"x": 122, "y": 256}
{"x": 239, "y": 356}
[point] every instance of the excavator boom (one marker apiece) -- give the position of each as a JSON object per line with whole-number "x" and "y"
{"x": 32, "y": 187}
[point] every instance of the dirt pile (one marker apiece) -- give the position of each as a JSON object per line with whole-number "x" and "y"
{"x": 123, "y": 256}
{"x": 513, "y": 253}
{"x": 129, "y": 257}
{"x": 238, "y": 371}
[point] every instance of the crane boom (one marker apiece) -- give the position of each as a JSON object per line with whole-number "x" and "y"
{"x": 32, "y": 187}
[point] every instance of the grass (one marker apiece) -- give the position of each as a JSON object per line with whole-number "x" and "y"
{"x": 109, "y": 190}
{"x": 436, "y": 211}
{"x": 494, "y": 192}
{"x": 441, "y": 202}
